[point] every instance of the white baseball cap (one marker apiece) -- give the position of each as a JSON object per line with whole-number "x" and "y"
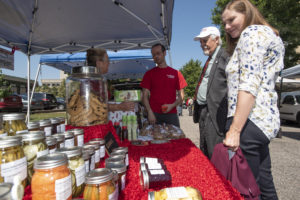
{"x": 210, "y": 30}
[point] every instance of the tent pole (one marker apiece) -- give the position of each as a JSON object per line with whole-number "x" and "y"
{"x": 28, "y": 88}
{"x": 35, "y": 80}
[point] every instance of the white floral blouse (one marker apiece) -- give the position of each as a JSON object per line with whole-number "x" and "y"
{"x": 254, "y": 67}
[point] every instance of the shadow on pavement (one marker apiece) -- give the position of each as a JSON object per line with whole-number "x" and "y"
{"x": 292, "y": 135}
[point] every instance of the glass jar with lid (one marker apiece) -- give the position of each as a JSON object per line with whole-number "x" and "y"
{"x": 34, "y": 146}
{"x": 46, "y": 126}
{"x": 69, "y": 139}
{"x": 77, "y": 168}
{"x": 86, "y": 157}
{"x": 62, "y": 122}
{"x": 14, "y": 123}
{"x": 51, "y": 178}
{"x": 97, "y": 152}
{"x": 122, "y": 150}
{"x": 55, "y": 125}
{"x": 121, "y": 170}
{"x": 78, "y": 136}
{"x": 91, "y": 151}
{"x": 102, "y": 146}
{"x": 86, "y": 97}
{"x": 13, "y": 161}
{"x": 114, "y": 160}
{"x": 33, "y": 126}
{"x": 60, "y": 138}
{"x": 99, "y": 182}
{"x": 51, "y": 143}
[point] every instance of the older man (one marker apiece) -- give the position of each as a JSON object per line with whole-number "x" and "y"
{"x": 211, "y": 91}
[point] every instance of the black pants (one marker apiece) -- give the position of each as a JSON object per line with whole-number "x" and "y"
{"x": 255, "y": 147}
{"x": 168, "y": 118}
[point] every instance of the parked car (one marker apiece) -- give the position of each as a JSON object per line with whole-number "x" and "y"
{"x": 49, "y": 100}
{"x": 11, "y": 103}
{"x": 61, "y": 103}
{"x": 290, "y": 108}
{"x": 35, "y": 104}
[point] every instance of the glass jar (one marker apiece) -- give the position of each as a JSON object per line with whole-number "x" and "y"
{"x": 77, "y": 168}
{"x": 122, "y": 150}
{"x": 78, "y": 136}
{"x": 86, "y": 157}
{"x": 99, "y": 185}
{"x": 33, "y": 126}
{"x": 14, "y": 123}
{"x": 60, "y": 138}
{"x": 121, "y": 170}
{"x": 51, "y": 178}
{"x": 97, "y": 152}
{"x": 55, "y": 125}
{"x": 155, "y": 179}
{"x": 91, "y": 151}
{"x": 46, "y": 126}
{"x": 62, "y": 125}
{"x": 51, "y": 143}
{"x": 34, "y": 146}
{"x": 86, "y": 97}
{"x": 115, "y": 160}
{"x": 69, "y": 139}
{"x": 13, "y": 161}
{"x": 175, "y": 193}
{"x": 102, "y": 146}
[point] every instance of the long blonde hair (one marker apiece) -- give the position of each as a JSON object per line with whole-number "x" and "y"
{"x": 252, "y": 16}
{"x": 93, "y": 55}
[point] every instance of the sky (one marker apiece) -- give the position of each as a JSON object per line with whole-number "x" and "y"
{"x": 189, "y": 17}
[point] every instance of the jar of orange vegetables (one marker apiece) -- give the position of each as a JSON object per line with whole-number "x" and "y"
{"x": 51, "y": 179}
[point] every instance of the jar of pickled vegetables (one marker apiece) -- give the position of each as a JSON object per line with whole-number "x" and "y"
{"x": 60, "y": 140}
{"x": 99, "y": 185}
{"x": 97, "y": 152}
{"x": 51, "y": 143}
{"x": 86, "y": 157}
{"x": 46, "y": 126}
{"x": 121, "y": 170}
{"x": 122, "y": 150}
{"x": 69, "y": 139}
{"x": 51, "y": 178}
{"x": 77, "y": 168}
{"x": 33, "y": 126}
{"x": 102, "y": 146}
{"x": 13, "y": 161}
{"x": 91, "y": 151}
{"x": 14, "y": 123}
{"x": 78, "y": 136}
{"x": 34, "y": 146}
{"x": 55, "y": 125}
{"x": 62, "y": 124}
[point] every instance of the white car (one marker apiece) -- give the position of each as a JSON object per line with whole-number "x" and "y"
{"x": 290, "y": 107}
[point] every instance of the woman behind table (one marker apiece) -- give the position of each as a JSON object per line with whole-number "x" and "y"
{"x": 99, "y": 58}
{"x": 257, "y": 58}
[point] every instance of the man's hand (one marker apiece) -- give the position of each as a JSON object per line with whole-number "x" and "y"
{"x": 232, "y": 139}
{"x": 151, "y": 117}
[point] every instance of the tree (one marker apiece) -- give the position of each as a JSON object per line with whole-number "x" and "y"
{"x": 191, "y": 72}
{"x": 61, "y": 90}
{"x": 5, "y": 88}
{"x": 282, "y": 15}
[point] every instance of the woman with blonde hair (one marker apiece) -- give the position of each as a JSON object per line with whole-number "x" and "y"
{"x": 253, "y": 117}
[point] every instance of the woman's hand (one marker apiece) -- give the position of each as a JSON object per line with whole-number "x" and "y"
{"x": 232, "y": 139}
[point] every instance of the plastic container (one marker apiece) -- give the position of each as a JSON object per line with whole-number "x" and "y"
{"x": 46, "y": 126}
{"x": 78, "y": 136}
{"x": 51, "y": 143}
{"x": 60, "y": 140}
{"x": 14, "y": 123}
{"x": 69, "y": 139}
{"x": 102, "y": 146}
{"x": 52, "y": 178}
{"x": 91, "y": 151}
{"x": 86, "y": 97}
{"x": 33, "y": 126}
{"x": 55, "y": 125}
{"x": 97, "y": 152}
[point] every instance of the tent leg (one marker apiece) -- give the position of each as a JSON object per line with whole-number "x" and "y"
{"x": 35, "y": 80}
{"x": 28, "y": 89}
{"x": 170, "y": 58}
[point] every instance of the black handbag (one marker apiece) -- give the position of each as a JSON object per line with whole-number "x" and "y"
{"x": 196, "y": 113}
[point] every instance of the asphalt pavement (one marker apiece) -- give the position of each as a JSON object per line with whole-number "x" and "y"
{"x": 285, "y": 156}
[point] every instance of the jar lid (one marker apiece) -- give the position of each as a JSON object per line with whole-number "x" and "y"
{"x": 10, "y": 141}
{"x": 67, "y": 135}
{"x": 98, "y": 176}
{"x": 45, "y": 122}
{"x": 50, "y": 161}
{"x": 145, "y": 179}
{"x": 86, "y": 70}
{"x": 89, "y": 148}
{"x": 70, "y": 151}
{"x": 100, "y": 140}
{"x": 54, "y": 120}
{"x": 114, "y": 161}
{"x": 125, "y": 149}
{"x": 14, "y": 116}
{"x": 123, "y": 156}
{"x": 5, "y": 189}
{"x": 117, "y": 153}
{"x": 51, "y": 140}
{"x": 76, "y": 131}
{"x": 120, "y": 168}
{"x": 59, "y": 137}
{"x": 85, "y": 155}
{"x": 95, "y": 144}
{"x": 33, "y": 125}
{"x": 33, "y": 135}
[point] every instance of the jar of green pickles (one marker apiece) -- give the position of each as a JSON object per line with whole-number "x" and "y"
{"x": 77, "y": 168}
{"x": 52, "y": 143}
{"x": 13, "y": 161}
{"x": 60, "y": 138}
{"x": 91, "y": 151}
{"x": 14, "y": 123}
{"x": 100, "y": 185}
{"x": 34, "y": 146}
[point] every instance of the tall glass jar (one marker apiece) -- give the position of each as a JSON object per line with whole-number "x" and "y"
{"x": 60, "y": 140}
{"x": 86, "y": 97}
{"x": 33, "y": 126}
{"x": 13, "y": 161}
{"x": 51, "y": 178}
{"x": 46, "y": 126}
{"x": 14, "y": 123}
{"x": 34, "y": 146}
{"x": 91, "y": 151}
{"x": 51, "y": 143}
{"x": 77, "y": 168}
{"x": 78, "y": 136}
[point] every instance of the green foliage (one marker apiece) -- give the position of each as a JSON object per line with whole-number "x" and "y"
{"x": 5, "y": 88}
{"x": 191, "y": 72}
{"x": 283, "y": 15}
{"x": 57, "y": 91}
{"x": 61, "y": 90}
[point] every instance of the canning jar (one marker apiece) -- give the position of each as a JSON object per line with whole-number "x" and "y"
{"x": 14, "y": 123}
{"x": 55, "y": 125}
{"x": 102, "y": 146}
{"x": 69, "y": 139}
{"x": 51, "y": 143}
{"x": 114, "y": 160}
{"x": 78, "y": 136}
{"x": 46, "y": 126}
{"x": 155, "y": 178}
{"x": 99, "y": 185}
{"x": 175, "y": 193}
{"x": 86, "y": 97}
{"x": 34, "y": 146}
{"x": 13, "y": 161}
{"x": 60, "y": 140}
{"x": 121, "y": 170}
{"x": 62, "y": 122}
{"x": 51, "y": 178}
{"x": 122, "y": 150}
{"x": 91, "y": 151}
{"x": 77, "y": 168}
{"x": 86, "y": 157}
{"x": 33, "y": 126}
{"x": 97, "y": 152}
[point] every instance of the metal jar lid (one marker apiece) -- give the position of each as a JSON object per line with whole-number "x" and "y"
{"x": 98, "y": 176}
{"x": 114, "y": 161}
{"x": 10, "y": 141}
{"x": 59, "y": 137}
{"x": 118, "y": 149}
{"x": 85, "y": 70}
{"x": 51, "y": 141}
{"x": 117, "y": 153}
{"x": 76, "y": 131}
{"x": 144, "y": 179}
{"x": 33, "y": 135}
{"x": 100, "y": 140}
{"x": 68, "y": 135}
{"x": 89, "y": 148}
{"x": 50, "y": 161}
{"x": 33, "y": 125}
{"x": 95, "y": 144}
{"x": 14, "y": 116}
{"x": 54, "y": 121}
{"x": 45, "y": 122}
{"x": 70, "y": 151}
{"x": 85, "y": 155}
{"x": 121, "y": 168}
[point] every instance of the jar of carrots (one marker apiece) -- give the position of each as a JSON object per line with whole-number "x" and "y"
{"x": 100, "y": 185}
{"x": 51, "y": 179}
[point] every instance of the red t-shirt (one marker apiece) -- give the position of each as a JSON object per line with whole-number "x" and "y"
{"x": 162, "y": 84}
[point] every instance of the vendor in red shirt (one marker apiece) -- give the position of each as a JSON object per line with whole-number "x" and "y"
{"x": 162, "y": 89}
